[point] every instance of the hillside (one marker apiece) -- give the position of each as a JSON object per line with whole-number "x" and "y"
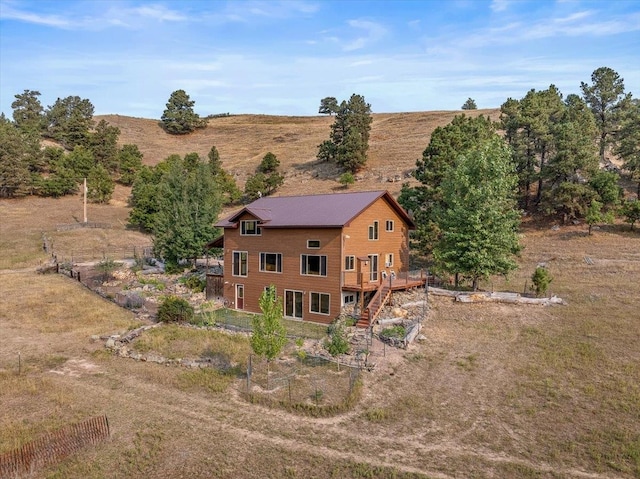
{"x": 397, "y": 141}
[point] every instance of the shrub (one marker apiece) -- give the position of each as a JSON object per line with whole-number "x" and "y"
{"x": 541, "y": 280}
{"x": 337, "y": 342}
{"x": 397, "y": 331}
{"x": 194, "y": 282}
{"x": 173, "y": 308}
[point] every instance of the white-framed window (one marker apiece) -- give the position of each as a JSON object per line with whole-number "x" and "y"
{"x": 271, "y": 262}
{"x": 348, "y": 298}
{"x": 349, "y": 263}
{"x": 293, "y": 303}
{"x": 250, "y": 228}
{"x": 240, "y": 260}
{"x": 389, "y": 225}
{"x": 319, "y": 303}
{"x": 374, "y": 230}
{"x": 313, "y": 265}
{"x": 388, "y": 260}
{"x": 313, "y": 244}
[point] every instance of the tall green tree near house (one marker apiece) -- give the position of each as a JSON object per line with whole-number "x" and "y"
{"x": 226, "y": 183}
{"x": 478, "y": 216}
{"x": 349, "y": 136}
{"x": 269, "y": 335}
{"x": 266, "y": 180}
{"x": 446, "y": 144}
{"x": 179, "y": 117}
{"x": 608, "y": 101}
{"x": 188, "y": 205}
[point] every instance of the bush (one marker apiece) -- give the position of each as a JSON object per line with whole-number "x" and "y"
{"x": 541, "y": 280}
{"x": 397, "y": 331}
{"x": 337, "y": 342}
{"x": 173, "y": 308}
{"x": 194, "y": 282}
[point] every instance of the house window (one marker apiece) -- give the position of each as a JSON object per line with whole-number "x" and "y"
{"x": 315, "y": 265}
{"x": 313, "y": 244}
{"x": 349, "y": 298}
{"x": 319, "y": 303}
{"x": 271, "y": 262}
{"x": 349, "y": 263}
{"x": 373, "y": 231}
{"x": 293, "y": 304}
{"x": 250, "y": 228}
{"x": 388, "y": 260}
{"x": 240, "y": 263}
{"x": 388, "y": 226}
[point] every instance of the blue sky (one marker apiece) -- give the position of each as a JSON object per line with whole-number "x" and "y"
{"x": 282, "y": 57}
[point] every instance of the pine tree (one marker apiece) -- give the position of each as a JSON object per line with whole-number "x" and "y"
{"x": 179, "y": 118}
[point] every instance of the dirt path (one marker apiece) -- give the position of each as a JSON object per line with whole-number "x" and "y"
{"x": 259, "y": 426}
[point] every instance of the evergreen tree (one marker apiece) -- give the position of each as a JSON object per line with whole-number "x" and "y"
{"x": 179, "y": 117}
{"x": 269, "y": 163}
{"x": 69, "y": 121}
{"x": 129, "y": 163}
{"x": 188, "y": 207}
{"x": 478, "y": 218}
{"x": 628, "y": 147}
{"x": 631, "y": 211}
{"x": 103, "y": 143}
{"x": 15, "y": 178}
{"x": 447, "y": 143}
{"x": 28, "y": 111}
{"x": 608, "y": 101}
{"x": 328, "y": 106}
{"x": 470, "y": 104}
{"x": 349, "y": 137}
{"x": 100, "y": 186}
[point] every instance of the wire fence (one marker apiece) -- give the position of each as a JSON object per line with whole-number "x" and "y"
{"x": 308, "y": 384}
{"x": 242, "y": 321}
{"x": 53, "y": 447}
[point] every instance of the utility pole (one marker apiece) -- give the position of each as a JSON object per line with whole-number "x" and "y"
{"x": 84, "y": 194}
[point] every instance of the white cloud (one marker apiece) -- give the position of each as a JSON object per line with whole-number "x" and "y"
{"x": 499, "y": 5}
{"x": 9, "y": 13}
{"x": 372, "y": 33}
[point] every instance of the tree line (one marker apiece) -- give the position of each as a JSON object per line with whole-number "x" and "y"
{"x": 543, "y": 156}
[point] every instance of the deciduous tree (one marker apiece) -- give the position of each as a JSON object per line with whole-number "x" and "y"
{"x": 479, "y": 218}
{"x": 269, "y": 334}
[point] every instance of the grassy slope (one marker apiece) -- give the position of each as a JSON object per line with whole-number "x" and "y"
{"x": 494, "y": 390}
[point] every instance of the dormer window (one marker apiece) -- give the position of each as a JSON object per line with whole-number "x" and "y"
{"x": 250, "y": 228}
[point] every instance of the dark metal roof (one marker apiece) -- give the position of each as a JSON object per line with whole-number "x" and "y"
{"x": 312, "y": 211}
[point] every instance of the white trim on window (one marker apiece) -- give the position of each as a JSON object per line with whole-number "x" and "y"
{"x": 374, "y": 231}
{"x": 321, "y": 302}
{"x": 276, "y": 262}
{"x": 293, "y": 303}
{"x": 349, "y": 263}
{"x": 240, "y": 264}
{"x": 313, "y": 244}
{"x": 389, "y": 226}
{"x": 313, "y": 264}
{"x": 250, "y": 228}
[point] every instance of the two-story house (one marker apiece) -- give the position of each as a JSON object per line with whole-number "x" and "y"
{"x": 320, "y": 251}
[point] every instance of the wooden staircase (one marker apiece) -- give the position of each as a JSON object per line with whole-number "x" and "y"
{"x": 372, "y": 310}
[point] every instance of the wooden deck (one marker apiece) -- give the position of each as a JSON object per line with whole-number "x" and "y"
{"x": 395, "y": 283}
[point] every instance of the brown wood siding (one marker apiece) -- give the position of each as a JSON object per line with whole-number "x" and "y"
{"x": 291, "y": 243}
{"x": 335, "y": 243}
{"x": 395, "y": 242}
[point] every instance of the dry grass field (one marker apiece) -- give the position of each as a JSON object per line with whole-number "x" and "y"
{"x": 494, "y": 391}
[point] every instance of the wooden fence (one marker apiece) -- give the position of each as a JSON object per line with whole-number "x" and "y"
{"x": 53, "y": 447}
